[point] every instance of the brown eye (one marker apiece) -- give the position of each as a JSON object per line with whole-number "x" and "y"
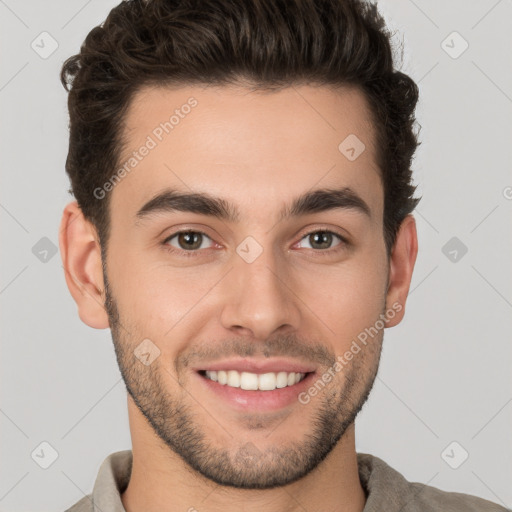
{"x": 322, "y": 240}
{"x": 187, "y": 240}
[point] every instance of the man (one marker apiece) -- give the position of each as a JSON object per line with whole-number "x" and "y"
{"x": 243, "y": 225}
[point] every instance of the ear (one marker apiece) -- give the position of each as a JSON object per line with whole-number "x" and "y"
{"x": 81, "y": 258}
{"x": 402, "y": 260}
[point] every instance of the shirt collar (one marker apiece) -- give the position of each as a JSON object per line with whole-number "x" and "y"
{"x": 112, "y": 480}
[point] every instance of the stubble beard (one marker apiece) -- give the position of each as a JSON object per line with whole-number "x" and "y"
{"x": 243, "y": 465}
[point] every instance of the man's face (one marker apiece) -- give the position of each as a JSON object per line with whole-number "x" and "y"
{"x": 261, "y": 293}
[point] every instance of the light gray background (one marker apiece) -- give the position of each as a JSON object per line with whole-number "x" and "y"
{"x": 445, "y": 372}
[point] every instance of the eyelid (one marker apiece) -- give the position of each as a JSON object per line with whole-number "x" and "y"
{"x": 187, "y": 230}
{"x": 336, "y": 231}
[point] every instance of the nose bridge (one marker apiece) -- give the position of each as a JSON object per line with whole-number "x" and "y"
{"x": 259, "y": 297}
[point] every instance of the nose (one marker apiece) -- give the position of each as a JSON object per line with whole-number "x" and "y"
{"x": 258, "y": 298}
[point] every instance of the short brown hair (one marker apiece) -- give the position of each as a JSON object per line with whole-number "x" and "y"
{"x": 269, "y": 43}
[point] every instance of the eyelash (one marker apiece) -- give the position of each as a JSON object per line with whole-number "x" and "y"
{"x": 195, "y": 253}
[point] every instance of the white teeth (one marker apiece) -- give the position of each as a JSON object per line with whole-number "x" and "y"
{"x": 281, "y": 380}
{"x": 222, "y": 377}
{"x": 233, "y": 379}
{"x": 248, "y": 381}
{"x": 267, "y": 381}
{"x": 255, "y": 381}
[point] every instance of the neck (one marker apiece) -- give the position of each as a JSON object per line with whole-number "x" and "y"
{"x": 161, "y": 481}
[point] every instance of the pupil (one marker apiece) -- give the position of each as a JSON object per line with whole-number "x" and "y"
{"x": 323, "y": 238}
{"x": 190, "y": 240}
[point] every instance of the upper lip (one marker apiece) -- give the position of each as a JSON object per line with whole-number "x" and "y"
{"x": 259, "y": 366}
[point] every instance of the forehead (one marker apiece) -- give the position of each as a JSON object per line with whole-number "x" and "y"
{"x": 250, "y": 147}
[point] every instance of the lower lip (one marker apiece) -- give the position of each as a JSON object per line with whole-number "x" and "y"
{"x": 257, "y": 400}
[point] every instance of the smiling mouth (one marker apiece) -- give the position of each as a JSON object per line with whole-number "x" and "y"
{"x": 254, "y": 381}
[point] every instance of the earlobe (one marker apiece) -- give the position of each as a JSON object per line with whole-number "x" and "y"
{"x": 81, "y": 258}
{"x": 403, "y": 258}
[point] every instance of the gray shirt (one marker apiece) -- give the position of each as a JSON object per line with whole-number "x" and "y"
{"x": 386, "y": 490}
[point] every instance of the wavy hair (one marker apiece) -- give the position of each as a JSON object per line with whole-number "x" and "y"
{"x": 270, "y": 44}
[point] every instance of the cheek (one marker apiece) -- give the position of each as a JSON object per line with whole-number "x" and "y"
{"x": 156, "y": 301}
{"x": 347, "y": 299}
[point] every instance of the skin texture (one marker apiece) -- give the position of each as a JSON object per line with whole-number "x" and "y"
{"x": 299, "y": 300}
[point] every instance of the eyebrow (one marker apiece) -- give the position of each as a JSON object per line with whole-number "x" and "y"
{"x": 202, "y": 203}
